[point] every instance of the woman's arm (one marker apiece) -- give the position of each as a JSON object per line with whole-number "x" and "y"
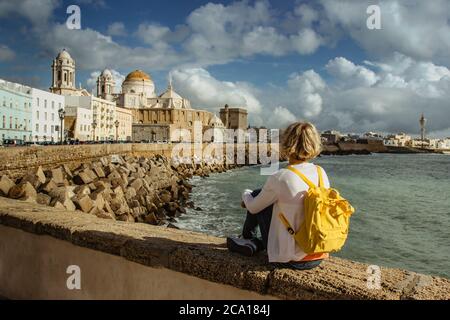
{"x": 265, "y": 198}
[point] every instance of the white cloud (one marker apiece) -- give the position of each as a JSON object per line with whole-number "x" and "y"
{"x": 117, "y": 29}
{"x": 93, "y": 50}
{"x": 209, "y": 93}
{"x": 37, "y": 12}
{"x": 222, "y": 33}
{"x": 393, "y": 97}
{"x": 416, "y": 28}
{"x": 6, "y": 53}
{"x": 281, "y": 118}
{"x": 306, "y": 41}
{"x": 306, "y": 89}
{"x": 349, "y": 74}
{"x": 152, "y": 33}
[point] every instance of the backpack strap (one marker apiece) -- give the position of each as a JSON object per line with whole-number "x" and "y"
{"x": 286, "y": 224}
{"x": 302, "y": 176}
{"x": 319, "y": 172}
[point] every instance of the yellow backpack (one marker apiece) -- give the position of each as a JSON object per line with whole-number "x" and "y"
{"x": 327, "y": 218}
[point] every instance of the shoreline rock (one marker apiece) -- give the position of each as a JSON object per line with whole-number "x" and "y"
{"x": 125, "y": 188}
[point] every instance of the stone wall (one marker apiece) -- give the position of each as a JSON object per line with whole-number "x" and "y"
{"x": 37, "y": 243}
{"x": 14, "y": 162}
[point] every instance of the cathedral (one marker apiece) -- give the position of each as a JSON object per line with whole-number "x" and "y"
{"x": 152, "y": 117}
{"x": 155, "y": 117}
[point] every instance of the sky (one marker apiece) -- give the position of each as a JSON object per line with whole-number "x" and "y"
{"x": 282, "y": 60}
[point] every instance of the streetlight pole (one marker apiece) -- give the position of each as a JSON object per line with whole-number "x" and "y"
{"x": 61, "y": 114}
{"x": 94, "y": 125}
{"x": 116, "y": 123}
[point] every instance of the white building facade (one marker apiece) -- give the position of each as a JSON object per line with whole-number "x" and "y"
{"x": 78, "y": 118}
{"x": 95, "y": 120}
{"x": 46, "y": 125}
{"x": 104, "y": 115}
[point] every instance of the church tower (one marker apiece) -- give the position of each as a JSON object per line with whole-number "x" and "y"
{"x": 63, "y": 74}
{"x": 105, "y": 85}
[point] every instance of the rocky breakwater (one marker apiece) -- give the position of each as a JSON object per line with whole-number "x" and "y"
{"x": 133, "y": 189}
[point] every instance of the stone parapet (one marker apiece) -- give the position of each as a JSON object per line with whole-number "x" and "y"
{"x": 206, "y": 257}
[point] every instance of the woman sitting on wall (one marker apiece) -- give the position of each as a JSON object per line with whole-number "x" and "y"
{"x": 283, "y": 192}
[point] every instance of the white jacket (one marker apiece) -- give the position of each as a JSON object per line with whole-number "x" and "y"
{"x": 285, "y": 190}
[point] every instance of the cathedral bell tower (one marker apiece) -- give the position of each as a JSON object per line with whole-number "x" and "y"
{"x": 63, "y": 74}
{"x": 105, "y": 85}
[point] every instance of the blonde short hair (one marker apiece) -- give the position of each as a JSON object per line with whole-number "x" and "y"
{"x": 301, "y": 141}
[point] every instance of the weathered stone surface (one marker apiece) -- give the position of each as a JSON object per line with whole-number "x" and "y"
{"x": 49, "y": 186}
{"x": 5, "y": 185}
{"x": 130, "y": 193}
{"x": 105, "y": 215}
{"x": 61, "y": 193}
{"x": 57, "y": 176}
{"x": 67, "y": 204}
{"x": 151, "y": 219}
{"x": 84, "y": 203}
{"x": 82, "y": 178}
{"x": 23, "y": 191}
{"x": 137, "y": 184}
{"x": 99, "y": 172}
{"x": 82, "y": 190}
{"x": 43, "y": 199}
{"x": 98, "y": 200}
{"x": 35, "y": 178}
{"x": 165, "y": 196}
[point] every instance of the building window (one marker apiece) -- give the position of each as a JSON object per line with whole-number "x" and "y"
{"x": 10, "y": 122}
{"x": 45, "y": 128}
{"x": 53, "y": 104}
{"x": 59, "y": 105}
{"x": 53, "y": 117}
{"x": 37, "y": 102}
{"x": 16, "y": 125}
{"x": 37, "y": 127}
{"x": 52, "y": 129}
{"x": 45, "y": 116}
{"x": 4, "y": 122}
{"x": 37, "y": 115}
{"x": 45, "y": 103}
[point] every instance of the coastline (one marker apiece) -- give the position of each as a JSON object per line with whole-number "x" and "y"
{"x": 171, "y": 180}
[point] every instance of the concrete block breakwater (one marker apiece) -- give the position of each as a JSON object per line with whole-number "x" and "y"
{"x": 126, "y": 188}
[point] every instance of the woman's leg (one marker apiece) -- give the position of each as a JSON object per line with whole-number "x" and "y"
{"x": 261, "y": 219}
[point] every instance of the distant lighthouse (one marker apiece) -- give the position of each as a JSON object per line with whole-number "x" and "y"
{"x": 422, "y": 122}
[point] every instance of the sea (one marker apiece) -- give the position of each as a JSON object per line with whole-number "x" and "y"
{"x": 402, "y": 203}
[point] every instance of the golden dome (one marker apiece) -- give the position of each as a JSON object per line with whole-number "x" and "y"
{"x": 137, "y": 75}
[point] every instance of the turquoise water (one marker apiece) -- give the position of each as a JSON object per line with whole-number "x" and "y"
{"x": 402, "y": 206}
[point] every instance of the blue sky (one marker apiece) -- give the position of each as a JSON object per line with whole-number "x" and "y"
{"x": 283, "y": 60}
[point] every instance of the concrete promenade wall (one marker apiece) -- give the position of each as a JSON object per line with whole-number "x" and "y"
{"x": 140, "y": 261}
